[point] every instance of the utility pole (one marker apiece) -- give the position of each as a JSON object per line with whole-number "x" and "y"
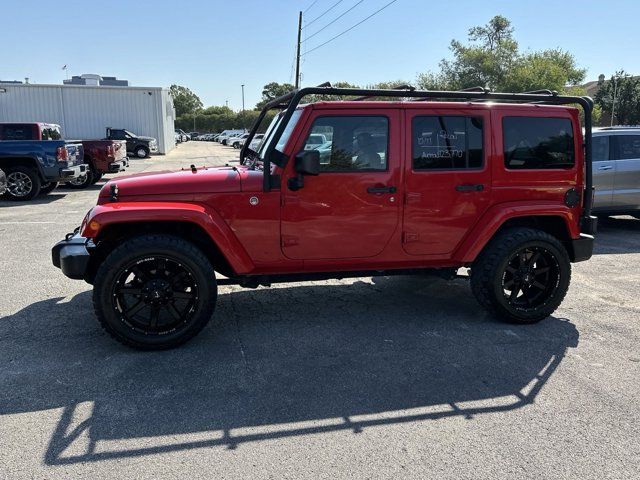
{"x": 613, "y": 106}
{"x": 242, "y": 97}
{"x": 298, "y": 51}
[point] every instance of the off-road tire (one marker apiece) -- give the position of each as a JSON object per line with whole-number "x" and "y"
{"x": 48, "y": 188}
{"x": 487, "y": 274}
{"x": 135, "y": 251}
{"x": 141, "y": 152}
{"x": 34, "y": 180}
{"x": 87, "y": 180}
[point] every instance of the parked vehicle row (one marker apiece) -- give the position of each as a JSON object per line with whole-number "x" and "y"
{"x": 36, "y": 159}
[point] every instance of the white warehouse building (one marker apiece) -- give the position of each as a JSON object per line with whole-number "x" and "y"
{"x": 85, "y": 111}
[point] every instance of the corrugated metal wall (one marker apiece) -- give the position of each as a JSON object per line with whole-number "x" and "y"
{"x": 84, "y": 112}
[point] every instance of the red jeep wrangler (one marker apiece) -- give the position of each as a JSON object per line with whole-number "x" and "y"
{"x": 495, "y": 182}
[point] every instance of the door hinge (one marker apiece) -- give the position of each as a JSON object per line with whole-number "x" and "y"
{"x": 288, "y": 241}
{"x": 408, "y": 237}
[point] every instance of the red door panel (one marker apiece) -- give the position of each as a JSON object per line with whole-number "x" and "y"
{"x": 443, "y": 203}
{"x": 338, "y": 215}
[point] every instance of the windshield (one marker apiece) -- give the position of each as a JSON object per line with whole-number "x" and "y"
{"x": 133, "y": 135}
{"x": 284, "y": 138}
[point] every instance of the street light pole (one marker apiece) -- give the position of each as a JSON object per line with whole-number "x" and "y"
{"x": 243, "y": 97}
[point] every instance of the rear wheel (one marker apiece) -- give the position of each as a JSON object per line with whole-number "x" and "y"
{"x": 48, "y": 187}
{"x": 23, "y": 183}
{"x": 522, "y": 276}
{"x": 154, "y": 292}
{"x": 81, "y": 181}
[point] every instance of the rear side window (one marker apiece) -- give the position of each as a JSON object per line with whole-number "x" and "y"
{"x": 538, "y": 143}
{"x": 600, "y": 148}
{"x": 17, "y": 132}
{"x": 51, "y": 133}
{"x": 350, "y": 143}
{"x": 627, "y": 147}
{"x": 446, "y": 142}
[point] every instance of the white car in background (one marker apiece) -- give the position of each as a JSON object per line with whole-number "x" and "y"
{"x": 237, "y": 142}
{"x": 255, "y": 143}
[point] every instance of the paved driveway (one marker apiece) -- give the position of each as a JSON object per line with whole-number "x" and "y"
{"x": 399, "y": 377}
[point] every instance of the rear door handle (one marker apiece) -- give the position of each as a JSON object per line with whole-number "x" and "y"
{"x": 606, "y": 167}
{"x": 381, "y": 190}
{"x": 470, "y": 188}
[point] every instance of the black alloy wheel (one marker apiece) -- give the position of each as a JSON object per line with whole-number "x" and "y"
{"x": 156, "y": 295}
{"x": 531, "y": 278}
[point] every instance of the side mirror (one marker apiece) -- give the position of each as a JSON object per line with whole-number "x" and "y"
{"x": 306, "y": 163}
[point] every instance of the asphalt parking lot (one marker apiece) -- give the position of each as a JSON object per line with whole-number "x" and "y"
{"x": 397, "y": 377}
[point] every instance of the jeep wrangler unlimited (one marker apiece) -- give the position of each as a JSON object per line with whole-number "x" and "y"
{"x": 499, "y": 183}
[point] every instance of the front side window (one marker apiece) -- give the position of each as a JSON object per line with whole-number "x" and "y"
{"x": 446, "y": 142}
{"x": 350, "y": 143}
{"x": 627, "y": 147}
{"x": 538, "y": 143}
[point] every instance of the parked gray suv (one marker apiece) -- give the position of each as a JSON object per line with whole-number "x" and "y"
{"x": 616, "y": 171}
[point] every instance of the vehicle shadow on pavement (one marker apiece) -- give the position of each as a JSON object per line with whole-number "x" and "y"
{"x": 39, "y": 200}
{"x": 617, "y": 235}
{"x": 288, "y": 361}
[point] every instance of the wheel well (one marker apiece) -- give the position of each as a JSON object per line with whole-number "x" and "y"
{"x": 19, "y": 161}
{"x": 553, "y": 225}
{"x": 113, "y": 235}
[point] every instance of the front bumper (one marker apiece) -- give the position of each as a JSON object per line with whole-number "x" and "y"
{"x": 153, "y": 148}
{"x": 70, "y": 172}
{"x": 581, "y": 249}
{"x": 71, "y": 255}
{"x": 118, "y": 165}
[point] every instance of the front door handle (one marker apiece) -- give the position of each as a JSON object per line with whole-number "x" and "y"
{"x": 470, "y": 188}
{"x": 381, "y": 190}
{"x": 606, "y": 167}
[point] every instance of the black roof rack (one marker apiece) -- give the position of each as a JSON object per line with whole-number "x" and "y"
{"x": 290, "y": 101}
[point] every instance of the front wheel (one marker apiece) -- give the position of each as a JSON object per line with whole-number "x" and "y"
{"x": 142, "y": 152}
{"x": 154, "y": 292}
{"x": 522, "y": 276}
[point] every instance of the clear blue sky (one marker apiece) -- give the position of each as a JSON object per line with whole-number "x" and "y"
{"x": 214, "y": 46}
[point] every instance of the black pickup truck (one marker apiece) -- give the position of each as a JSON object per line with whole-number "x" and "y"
{"x": 139, "y": 146}
{"x": 35, "y": 158}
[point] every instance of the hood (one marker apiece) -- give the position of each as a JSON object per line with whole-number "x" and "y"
{"x": 183, "y": 182}
{"x": 146, "y": 139}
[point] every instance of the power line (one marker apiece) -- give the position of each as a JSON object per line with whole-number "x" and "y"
{"x": 350, "y": 28}
{"x": 332, "y": 22}
{"x": 325, "y": 12}
{"x": 309, "y": 7}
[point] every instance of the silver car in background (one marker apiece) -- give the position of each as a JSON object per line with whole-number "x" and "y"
{"x": 616, "y": 171}
{"x": 3, "y": 182}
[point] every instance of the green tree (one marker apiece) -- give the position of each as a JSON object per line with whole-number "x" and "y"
{"x": 625, "y": 89}
{"x": 492, "y": 59}
{"x": 273, "y": 90}
{"x": 184, "y": 100}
